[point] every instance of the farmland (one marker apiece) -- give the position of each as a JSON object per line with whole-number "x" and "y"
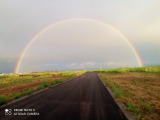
{"x": 137, "y": 88}
{"x": 16, "y": 86}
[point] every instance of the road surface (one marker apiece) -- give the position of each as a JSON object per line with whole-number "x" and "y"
{"x": 82, "y": 98}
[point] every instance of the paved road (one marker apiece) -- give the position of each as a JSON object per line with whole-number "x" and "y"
{"x": 82, "y": 98}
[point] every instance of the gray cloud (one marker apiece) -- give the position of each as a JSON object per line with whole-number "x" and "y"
{"x": 79, "y": 43}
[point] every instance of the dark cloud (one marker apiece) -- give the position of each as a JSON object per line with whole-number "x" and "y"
{"x": 7, "y": 65}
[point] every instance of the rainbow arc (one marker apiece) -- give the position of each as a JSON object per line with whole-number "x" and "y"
{"x": 120, "y": 34}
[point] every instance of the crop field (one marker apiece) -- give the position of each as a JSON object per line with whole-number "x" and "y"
{"x": 137, "y": 88}
{"x": 16, "y": 86}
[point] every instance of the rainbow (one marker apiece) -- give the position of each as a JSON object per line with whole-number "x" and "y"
{"x": 138, "y": 58}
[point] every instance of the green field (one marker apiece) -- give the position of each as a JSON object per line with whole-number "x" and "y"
{"x": 18, "y": 85}
{"x": 138, "y": 88}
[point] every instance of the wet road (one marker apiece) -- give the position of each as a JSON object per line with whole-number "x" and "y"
{"x": 82, "y": 98}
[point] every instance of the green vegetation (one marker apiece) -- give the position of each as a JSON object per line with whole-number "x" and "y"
{"x": 28, "y": 92}
{"x": 8, "y": 80}
{"x": 18, "y": 95}
{"x": 44, "y": 84}
{"x": 58, "y": 81}
{"x": 155, "y": 69}
{"x": 147, "y": 107}
{"x": 2, "y": 101}
{"x": 133, "y": 108}
{"x": 15, "y": 86}
{"x": 117, "y": 92}
{"x": 52, "y": 83}
{"x": 138, "y": 88}
{"x": 38, "y": 88}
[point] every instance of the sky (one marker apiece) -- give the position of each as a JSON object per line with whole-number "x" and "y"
{"x": 78, "y": 44}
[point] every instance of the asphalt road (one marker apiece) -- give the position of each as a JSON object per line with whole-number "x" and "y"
{"x": 82, "y": 98}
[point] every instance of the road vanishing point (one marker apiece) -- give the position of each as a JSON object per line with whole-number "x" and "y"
{"x": 81, "y": 98}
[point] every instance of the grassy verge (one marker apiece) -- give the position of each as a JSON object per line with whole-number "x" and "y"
{"x": 16, "y": 86}
{"x": 137, "y": 88}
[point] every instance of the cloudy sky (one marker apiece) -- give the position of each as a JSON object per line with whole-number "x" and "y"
{"x": 78, "y": 44}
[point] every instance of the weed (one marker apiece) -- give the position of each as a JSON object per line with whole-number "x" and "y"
{"x": 17, "y": 96}
{"x": 13, "y": 96}
{"x": 133, "y": 83}
{"x": 116, "y": 93}
{"x": 140, "y": 87}
{"x": 148, "y": 79}
{"x": 4, "y": 76}
{"x": 58, "y": 81}
{"x": 44, "y": 84}
{"x": 137, "y": 70}
{"x": 2, "y": 101}
{"x": 113, "y": 71}
{"x": 147, "y": 107}
{"x": 52, "y": 83}
{"x": 136, "y": 111}
{"x": 38, "y": 88}
{"x": 9, "y": 81}
{"x": 29, "y": 92}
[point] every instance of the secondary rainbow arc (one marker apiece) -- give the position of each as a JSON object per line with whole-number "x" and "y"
{"x": 138, "y": 58}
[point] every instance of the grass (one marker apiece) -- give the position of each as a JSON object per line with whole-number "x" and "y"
{"x": 2, "y": 101}
{"x": 28, "y": 92}
{"x": 18, "y": 95}
{"x": 116, "y": 92}
{"x": 9, "y": 80}
{"x": 15, "y": 86}
{"x": 58, "y": 81}
{"x": 52, "y": 83}
{"x": 137, "y": 88}
{"x": 133, "y": 108}
{"x": 155, "y": 69}
{"x": 44, "y": 84}
{"x": 38, "y": 88}
{"x": 147, "y": 107}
